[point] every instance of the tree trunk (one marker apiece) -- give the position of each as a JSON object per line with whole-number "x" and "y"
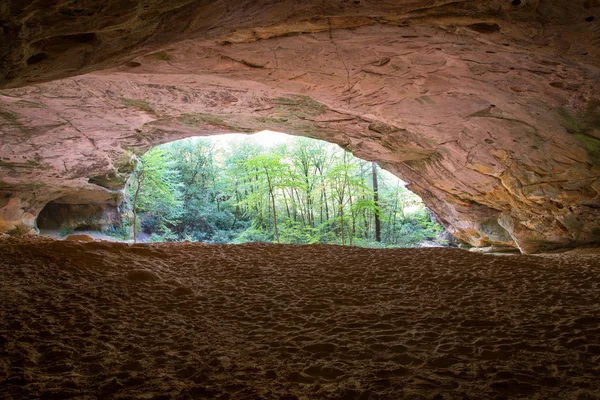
{"x": 140, "y": 179}
{"x": 353, "y": 216}
{"x": 300, "y": 207}
{"x": 342, "y": 222}
{"x": 376, "y": 202}
{"x": 237, "y": 213}
{"x": 273, "y": 200}
{"x": 309, "y": 202}
{"x": 366, "y": 233}
{"x": 294, "y": 206}
{"x": 287, "y": 208}
{"x": 324, "y": 194}
{"x": 391, "y": 219}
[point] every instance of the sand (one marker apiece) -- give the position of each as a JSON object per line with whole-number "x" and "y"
{"x": 106, "y": 320}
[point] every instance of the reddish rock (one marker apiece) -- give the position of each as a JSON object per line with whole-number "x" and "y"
{"x": 488, "y": 109}
{"x": 79, "y": 238}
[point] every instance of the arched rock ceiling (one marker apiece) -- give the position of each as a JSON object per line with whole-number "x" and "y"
{"x": 488, "y": 108}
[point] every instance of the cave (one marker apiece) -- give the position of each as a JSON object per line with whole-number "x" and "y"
{"x": 489, "y": 109}
{"x": 64, "y": 216}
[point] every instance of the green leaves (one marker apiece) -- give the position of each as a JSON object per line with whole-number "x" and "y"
{"x": 302, "y": 192}
{"x": 154, "y": 188}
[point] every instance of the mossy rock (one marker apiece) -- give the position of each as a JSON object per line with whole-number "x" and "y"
{"x": 585, "y": 126}
{"x": 28, "y": 104}
{"x": 300, "y": 105}
{"x": 139, "y": 104}
{"x": 10, "y": 117}
{"x": 110, "y": 181}
{"x": 160, "y": 55}
{"x": 285, "y": 101}
{"x": 583, "y": 122}
{"x": 591, "y": 145}
{"x": 383, "y": 128}
{"x": 199, "y": 120}
{"x": 27, "y": 165}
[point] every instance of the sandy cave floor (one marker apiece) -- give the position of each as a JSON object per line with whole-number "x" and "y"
{"x": 186, "y": 321}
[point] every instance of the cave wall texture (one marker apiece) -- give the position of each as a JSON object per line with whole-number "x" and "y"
{"x": 489, "y": 109}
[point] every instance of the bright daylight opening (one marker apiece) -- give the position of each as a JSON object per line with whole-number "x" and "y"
{"x": 270, "y": 187}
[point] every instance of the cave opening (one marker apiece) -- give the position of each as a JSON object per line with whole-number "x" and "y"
{"x": 69, "y": 214}
{"x": 271, "y": 187}
{"x": 268, "y": 187}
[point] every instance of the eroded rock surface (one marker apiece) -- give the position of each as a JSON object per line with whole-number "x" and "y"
{"x": 488, "y": 108}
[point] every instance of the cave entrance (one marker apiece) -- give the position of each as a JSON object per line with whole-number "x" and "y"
{"x": 272, "y": 187}
{"x": 67, "y": 214}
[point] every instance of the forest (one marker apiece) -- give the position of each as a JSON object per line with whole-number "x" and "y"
{"x": 302, "y": 191}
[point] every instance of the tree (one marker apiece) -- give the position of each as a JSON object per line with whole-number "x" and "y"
{"x": 139, "y": 176}
{"x": 155, "y": 187}
{"x": 304, "y": 192}
{"x": 376, "y": 203}
{"x": 273, "y": 169}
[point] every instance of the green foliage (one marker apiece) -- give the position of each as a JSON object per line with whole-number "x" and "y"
{"x": 295, "y": 233}
{"x": 254, "y": 235}
{"x": 166, "y": 236}
{"x": 302, "y": 193}
{"x": 120, "y": 232}
{"x": 223, "y": 237}
{"x": 154, "y": 189}
{"x": 65, "y": 230}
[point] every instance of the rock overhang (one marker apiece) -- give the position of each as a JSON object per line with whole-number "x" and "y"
{"x": 491, "y": 115}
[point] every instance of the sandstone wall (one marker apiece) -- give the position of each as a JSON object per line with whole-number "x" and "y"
{"x": 489, "y": 109}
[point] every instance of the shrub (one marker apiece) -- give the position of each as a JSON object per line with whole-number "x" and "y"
{"x": 224, "y": 237}
{"x": 294, "y": 233}
{"x": 149, "y": 223}
{"x": 167, "y": 236}
{"x": 121, "y": 232}
{"x": 253, "y": 235}
{"x": 65, "y": 230}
